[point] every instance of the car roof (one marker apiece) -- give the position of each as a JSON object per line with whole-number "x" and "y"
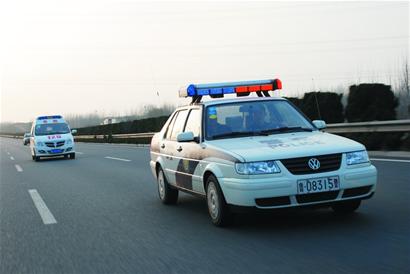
{"x": 233, "y": 100}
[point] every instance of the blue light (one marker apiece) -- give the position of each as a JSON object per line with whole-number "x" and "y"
{"x": 228, "y": 90}
{"x": 214, "y": 91}
{"x": 203, "y": 91}
{"x": 191, "y": 90}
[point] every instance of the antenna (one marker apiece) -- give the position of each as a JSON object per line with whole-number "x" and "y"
{"x": 317, "y": 102}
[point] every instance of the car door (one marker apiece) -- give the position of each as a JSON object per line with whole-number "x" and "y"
{"x": 188, "y": 153}
{"x": 169, "y": 145}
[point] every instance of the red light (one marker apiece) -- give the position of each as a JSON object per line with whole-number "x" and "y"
{"x": 254, "y": 88}
{"x": 266, "y": 87}
{"x": 241, "y": 89}
{"x": 278, "y": 84}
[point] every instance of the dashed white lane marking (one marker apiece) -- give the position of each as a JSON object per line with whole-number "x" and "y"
{"x": 42, "y": 208}
{"x": 79, "y": 152}
{"x": 12, "y": 158}
{"x": 390, "y": 160}
{"x": 118, "y": 159}
{"x": 8, "y": 153}
{"x": 19, "y": 169}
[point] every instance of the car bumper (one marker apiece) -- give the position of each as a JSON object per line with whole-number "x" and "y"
{"x": 50, "y": 152}
{"x": 281, "y": 191}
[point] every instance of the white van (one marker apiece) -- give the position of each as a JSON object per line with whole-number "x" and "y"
{"x": 51, "y": 136}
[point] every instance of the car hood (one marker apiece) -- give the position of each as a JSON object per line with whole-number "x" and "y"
{"x": 54, "y": 137}
{"x": 283, "y": 146}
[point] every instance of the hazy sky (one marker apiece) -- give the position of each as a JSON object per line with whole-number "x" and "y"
{"x": 114, "y": 56}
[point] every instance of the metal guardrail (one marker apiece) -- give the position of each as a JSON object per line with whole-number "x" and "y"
{"x": 376, "y": 126}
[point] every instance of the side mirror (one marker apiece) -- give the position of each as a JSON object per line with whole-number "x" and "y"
{"x": 73, "y": 131}
{"x": 319, "y": 124}
{"x": 185, "y": 136}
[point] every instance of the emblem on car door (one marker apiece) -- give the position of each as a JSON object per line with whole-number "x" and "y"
{"x": 314, "y": 163}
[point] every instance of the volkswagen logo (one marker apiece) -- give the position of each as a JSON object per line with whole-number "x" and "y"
{"x": 314, "y": 163}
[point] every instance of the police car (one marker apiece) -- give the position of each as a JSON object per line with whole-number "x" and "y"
{"x": 256, "y": 152}
{"x": 51, "y": 136}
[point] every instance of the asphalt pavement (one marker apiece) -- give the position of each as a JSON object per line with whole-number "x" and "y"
{"x": 100, "y": 213}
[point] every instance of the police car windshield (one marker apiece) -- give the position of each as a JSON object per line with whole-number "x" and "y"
{"x": 253, "y": 118}
{"x": 49, "y": 129}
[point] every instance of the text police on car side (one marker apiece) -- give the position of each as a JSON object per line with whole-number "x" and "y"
{"x": 256, "y": 152}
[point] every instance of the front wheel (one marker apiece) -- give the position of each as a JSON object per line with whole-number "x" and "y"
{"x": 72, "y": 155}
{"x": 217, "y": 207}
{"x": 167, "y": 194}
{"x": 346, "y": 207}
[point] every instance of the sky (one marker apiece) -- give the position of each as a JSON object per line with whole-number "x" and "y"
{"x": 113, "y": 57}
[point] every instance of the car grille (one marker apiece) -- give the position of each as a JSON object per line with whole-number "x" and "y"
{"x": 317, "y": 197}
{"x": 275, "y": 201}
{"x": 300, "y": 165}
{"x": 60, "y": 144}
{"x": 57, "y": 144}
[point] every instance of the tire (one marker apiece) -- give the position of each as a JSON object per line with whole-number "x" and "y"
{"x": 65, "y": 156}
{"x": 33, "y": 157}
{"x": 166, "y": 194}
{"x": 36, "y": 158}
{"x": 346, "y": 207}
{"x": 72, "y": 155}
{"x": 217, "y": 207}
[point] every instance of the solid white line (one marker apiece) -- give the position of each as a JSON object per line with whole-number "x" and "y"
{"x": 12, "y": 158}
{"x": 118, "y": 159}
{"x": 19, "y": 169}
{"x": 42, "y": 208}
{"x": 390, "y": 160}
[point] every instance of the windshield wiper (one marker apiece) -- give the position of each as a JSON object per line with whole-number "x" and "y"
{"x": 238, "y": 134}
{"x": 285, "y": 129}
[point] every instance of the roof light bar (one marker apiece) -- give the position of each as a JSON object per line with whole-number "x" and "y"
{"x": 49, "y": 117}
{"x": 240, "y": 88}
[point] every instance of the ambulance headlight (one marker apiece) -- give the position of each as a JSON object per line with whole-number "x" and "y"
{"x": 39, "y": 144}
{"x": 357, "y": 157}
{"x": 69, "y": 142}
{"x": 254, "y": 168}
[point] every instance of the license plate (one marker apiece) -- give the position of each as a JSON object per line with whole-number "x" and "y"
{"x": 318, "y": 185}
{"x": 56, "y": 150}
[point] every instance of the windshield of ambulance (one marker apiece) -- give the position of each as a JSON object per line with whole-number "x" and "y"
{"x": 49, "y": 129}
{"x": 253, "y": 118}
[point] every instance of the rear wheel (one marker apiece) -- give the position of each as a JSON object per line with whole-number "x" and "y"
{"x": 167, "y": 194}
{"x": 217, "y": 207}
{"x": 346, "y": 207}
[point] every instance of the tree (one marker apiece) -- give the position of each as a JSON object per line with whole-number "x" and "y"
{"x": 324, "y": 106}
{"x": 370, "y": 102}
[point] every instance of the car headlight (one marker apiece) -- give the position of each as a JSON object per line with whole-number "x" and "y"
{"x": 253, "y": 168}
{"x": 357, "y": 157}
{"x": 39, "y": 144}
{"x": 69, "y": 142}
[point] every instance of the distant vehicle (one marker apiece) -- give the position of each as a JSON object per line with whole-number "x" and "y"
{"x": 256, "y": 153}
{"x": 26, "y": 138}
{"x": 51, "y": 136}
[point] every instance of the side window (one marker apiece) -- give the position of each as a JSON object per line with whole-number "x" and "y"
{"x": 179, "y": 124}
{"x": 170, "y": 126}
{"x": 194, "y": 122}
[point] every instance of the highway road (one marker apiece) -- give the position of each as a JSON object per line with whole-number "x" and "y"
{"x": 100, "y": 213}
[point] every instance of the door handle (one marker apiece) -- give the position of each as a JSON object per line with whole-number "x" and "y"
{"x": 163, "y": 146}
{"x": 179, "y": 149}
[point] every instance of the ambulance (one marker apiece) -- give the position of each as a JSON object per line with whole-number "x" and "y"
{"x": 51, "y": 136}
{"x": 256, "y": 153}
